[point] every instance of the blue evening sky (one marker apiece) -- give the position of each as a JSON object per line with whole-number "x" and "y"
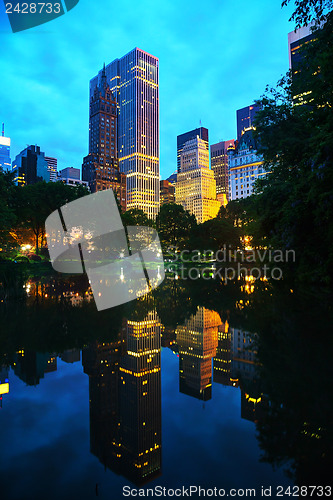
{"x": 215, "y": 57}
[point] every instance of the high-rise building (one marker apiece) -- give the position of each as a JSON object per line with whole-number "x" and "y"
{"x": 101, "y": 167}
{"x": 219, "y": 163}
{"x": 167, "y": 192}
{"x": 245, "y": 118}
{"x": 182, "y": 139}
{"x": 30, "y": 166}
{"x": 5, "y": 162}
{"x": 197, "y": 341}
{"x": 52, "y": 165}
{"x": 134, "y": 81}
{"x": 296, "y": 41}
{"x": 196, "y": 186}
{"x": 245, "y": 166}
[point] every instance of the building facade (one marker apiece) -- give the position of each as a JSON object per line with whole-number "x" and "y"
{"x": 182, "y": 139}
{"x": 30, "y": 166}
{"x": 297, "y": 40}
{"x": 134, "y": 81}
{"x": 167, "y": 192}
{"x": 245, "y": 166}
{"x": 219, "y": 162}
{"x": 100, "y": 169}
{"x": 52, "y": 167}
{"x": 72, "y": 177}
{"x": 245, "y": 118}
{"x": 5, "y": 161}
{"x": 196, "y": 186}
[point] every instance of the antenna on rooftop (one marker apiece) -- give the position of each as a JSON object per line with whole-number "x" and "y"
{"x": 3, "y": 130}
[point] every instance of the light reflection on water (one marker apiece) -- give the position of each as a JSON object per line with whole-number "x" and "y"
{"x": 170, "y": 390}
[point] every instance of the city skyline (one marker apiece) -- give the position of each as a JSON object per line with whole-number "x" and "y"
{"x": 198, "y": 81}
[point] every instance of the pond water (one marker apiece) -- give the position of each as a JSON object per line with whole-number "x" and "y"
{"x": 198, "y": 384}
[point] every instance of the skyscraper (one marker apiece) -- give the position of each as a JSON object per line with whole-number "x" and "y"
{"x": 296, "y": 41}
{"x": 5, "y": 162}
{"x": 202, "y": 132}
{"x": 196, "y": 186}
{"x": 219, "y": 162}
{"x": 52, "y": 165}
{"x": 101, "y": 167}
{"x": 245, "y": 118}
{"x": 30, "y": 166}
{"x": 134, "y": 81}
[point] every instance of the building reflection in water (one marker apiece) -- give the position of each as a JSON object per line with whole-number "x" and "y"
{"x": 235, "y": 365}
{"x": 4, "y": 382}
{"x": 197, "y": 342}
{"x": 125, "y": 399}
{"x": 30, "y": 366}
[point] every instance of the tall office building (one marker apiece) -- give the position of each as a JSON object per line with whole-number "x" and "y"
{"x": 296, "y": 41}
{"x": 245, "y": 118}
{"x": 245, "y": 166}
{"x": 5, "y": 162}
{"x": 196, "y": 186}
{"x": 52, "y": 165}
{"x": 197, "y": 341}
{"x": 134, "y": 81}
{"x": 101, "y": 167}
{"x": 182, "y": 139}
{"x": 30, "y": 166}
{"x": 167, "y": 192}
{"x": 219, "y": 162}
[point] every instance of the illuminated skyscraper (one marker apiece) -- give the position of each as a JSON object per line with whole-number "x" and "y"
{"x": 245, "y": 118}
{"x": 5, "y": 162}
{"x": 219, "y": 162}
{"x": 134, "y": 82}
{"x": 182, "y": 139}
{"x": 197, "y": 341}
{"x": 196, "y": 186}
{"x": 101, "y": 167}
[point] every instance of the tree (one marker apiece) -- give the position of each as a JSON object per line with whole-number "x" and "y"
{"x": 174, "y": 225}
{"x": 214, "y": 234}
{"x": 307, "y": 11}
{"x": 136, "y": 217}
{"x": 295, "y": 200}
{"x": 35, "y": 203}
{"x": 7, "y": 197}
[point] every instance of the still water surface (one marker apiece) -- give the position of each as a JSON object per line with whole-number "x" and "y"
{"x": 198, "y": 384}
